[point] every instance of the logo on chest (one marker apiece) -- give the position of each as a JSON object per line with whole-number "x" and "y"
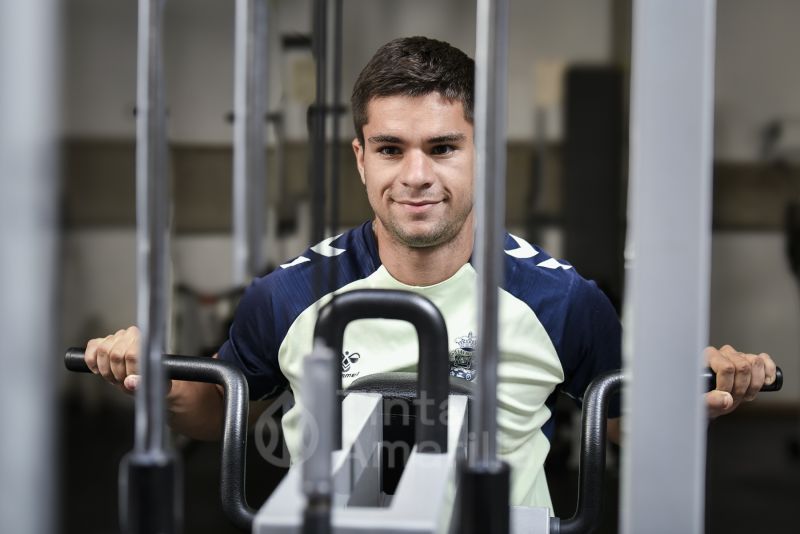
{"x": 462, "y": 364}
{"x": 349, "y": 360}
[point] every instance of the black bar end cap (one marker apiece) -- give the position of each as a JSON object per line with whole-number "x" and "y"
{"x": 151, "y": 496}
{"x": 484, "y": 502}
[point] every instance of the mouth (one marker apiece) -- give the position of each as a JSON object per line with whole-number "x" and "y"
{"x": 417, "y": 206}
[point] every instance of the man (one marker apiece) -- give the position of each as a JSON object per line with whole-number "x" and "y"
{"x": 412, "y": 109}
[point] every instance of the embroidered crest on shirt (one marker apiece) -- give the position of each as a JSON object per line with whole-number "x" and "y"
{"x": 461, "y": 358}
{"x": 348, "y": 361}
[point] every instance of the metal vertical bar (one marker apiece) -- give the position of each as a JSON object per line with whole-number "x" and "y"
{"x": 250, "y": 97}
{"x": 150, "y": 494}
{"x": 317, "y": 140}
{"x": 336, "y": 126}
{"x": 319, "y": 390}
{"x": 490, "y": 196}
{"x": 152, "y": 204}
{"x": 28, "y": 238}
{"x": 485, "y": 488}
{"x": 667, "y": 311}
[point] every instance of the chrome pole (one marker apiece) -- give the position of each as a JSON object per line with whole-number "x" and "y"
{"x": 666, "y": 324}
{"x": 150, "y": 497}
{"x": 490, "y": 197}
{"x": 29, "y": 187}
{"x": 485, "y": 490}
{"x": 319, "y": 391}
{"x": 317, "y": 141}
{"x": 152, "y": 226}
{"x": 250, "y": 98}
{"x": 336, "y": 118}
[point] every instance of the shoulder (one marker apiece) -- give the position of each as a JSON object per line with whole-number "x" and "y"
{"x": 321, "y": 269}
{"x": 577, "y": 315}
{"x": 533, "y": 275}
{"x": 559, "y": 296}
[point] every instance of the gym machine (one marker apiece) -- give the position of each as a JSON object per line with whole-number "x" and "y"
{"x": 338, "y": 484}
{"x": 450, "y": 482}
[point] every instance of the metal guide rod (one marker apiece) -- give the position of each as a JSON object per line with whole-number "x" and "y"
{"x": 319, "y": 392}
{"x": 150, "y": 497}
{"x": 250, "y": 98}
{"x": 491, "y": 54}
{"x": 336, "y": 118}
{"x": 666, "y": 324}
{"x": 29, "y": 187}
{"x": 152, "y": 221}
{"x": 317, "y": 141}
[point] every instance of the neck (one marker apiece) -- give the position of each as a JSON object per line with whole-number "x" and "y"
{"x": 424, "y": 266}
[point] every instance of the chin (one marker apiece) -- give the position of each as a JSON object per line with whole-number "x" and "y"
{"x": 429, "y": 237}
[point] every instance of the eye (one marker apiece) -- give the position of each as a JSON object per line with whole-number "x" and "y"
{"x": 389, "y": 150}
{"x": 442, "y": 150}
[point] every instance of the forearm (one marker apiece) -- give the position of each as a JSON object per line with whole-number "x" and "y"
{"x": 195, "y": 409}
{"x": 613, "y": 428}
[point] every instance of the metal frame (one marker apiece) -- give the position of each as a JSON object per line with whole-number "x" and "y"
{"x": 666, "y": 323}
{"x": 152, "y": 227}
{"x": 29, "y": 239}
{"x": 491, "y": 58}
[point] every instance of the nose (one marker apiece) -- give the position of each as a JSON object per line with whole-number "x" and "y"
{"x": 418, "y": 171}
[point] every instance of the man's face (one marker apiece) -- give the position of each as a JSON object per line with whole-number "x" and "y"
{"x": 417, "y": 167}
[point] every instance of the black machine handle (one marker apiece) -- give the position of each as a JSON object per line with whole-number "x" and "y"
{"x": 434, "y": 366}
{"x": 711, "y": 380}
{"x": 591, "y": 471}
{"x": 234, "y": 434}
{"x": 592, "y": 467}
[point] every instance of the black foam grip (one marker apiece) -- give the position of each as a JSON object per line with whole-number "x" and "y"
{"x": 711, "y": 381}
{"x": 434, "y": 364}
{"x": 234, "y": 434}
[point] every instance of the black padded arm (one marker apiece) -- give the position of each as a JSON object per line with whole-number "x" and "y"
{"x": 434, "y": 365}
{"x": 234, "y": 434}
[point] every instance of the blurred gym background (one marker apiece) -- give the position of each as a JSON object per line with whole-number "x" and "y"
{"x": 567, "y": 159}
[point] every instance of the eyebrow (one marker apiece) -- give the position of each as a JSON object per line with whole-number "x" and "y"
{"x": 445, "y": 138}
{"x": 378, "y": 139}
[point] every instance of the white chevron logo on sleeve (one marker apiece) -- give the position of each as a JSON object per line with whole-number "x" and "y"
{"x": 553, "y": 263}
{"x": 524, "y": 251}
{"x": 296, "y": 261}
{"x": 324, "y": 248}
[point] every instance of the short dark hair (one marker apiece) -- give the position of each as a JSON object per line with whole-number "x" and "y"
{"x": 414, "y": 66}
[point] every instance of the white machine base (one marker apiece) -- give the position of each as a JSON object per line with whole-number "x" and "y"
{"x": 424, "y": 501}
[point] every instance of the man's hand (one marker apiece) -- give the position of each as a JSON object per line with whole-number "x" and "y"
{"x": 739, "y": 378}
{"x": 116, "y": 358}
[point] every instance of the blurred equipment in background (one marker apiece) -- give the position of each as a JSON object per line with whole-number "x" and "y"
{"x": 780, "y": 142}
{"x": 202, "y": 319}
{"x": 594, "y": 229}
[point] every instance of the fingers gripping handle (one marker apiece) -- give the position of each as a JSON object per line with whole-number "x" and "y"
{"x": 711, "y": 379}
{"x": 593, "y": 449}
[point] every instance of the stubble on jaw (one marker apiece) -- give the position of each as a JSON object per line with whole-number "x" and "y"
{"x": 441, "y": 233}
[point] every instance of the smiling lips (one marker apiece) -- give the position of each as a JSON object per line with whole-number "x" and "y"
{"x": 417, "y": 206}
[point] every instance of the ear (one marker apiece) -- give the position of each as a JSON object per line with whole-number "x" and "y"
{"x": 359, "y": 152}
